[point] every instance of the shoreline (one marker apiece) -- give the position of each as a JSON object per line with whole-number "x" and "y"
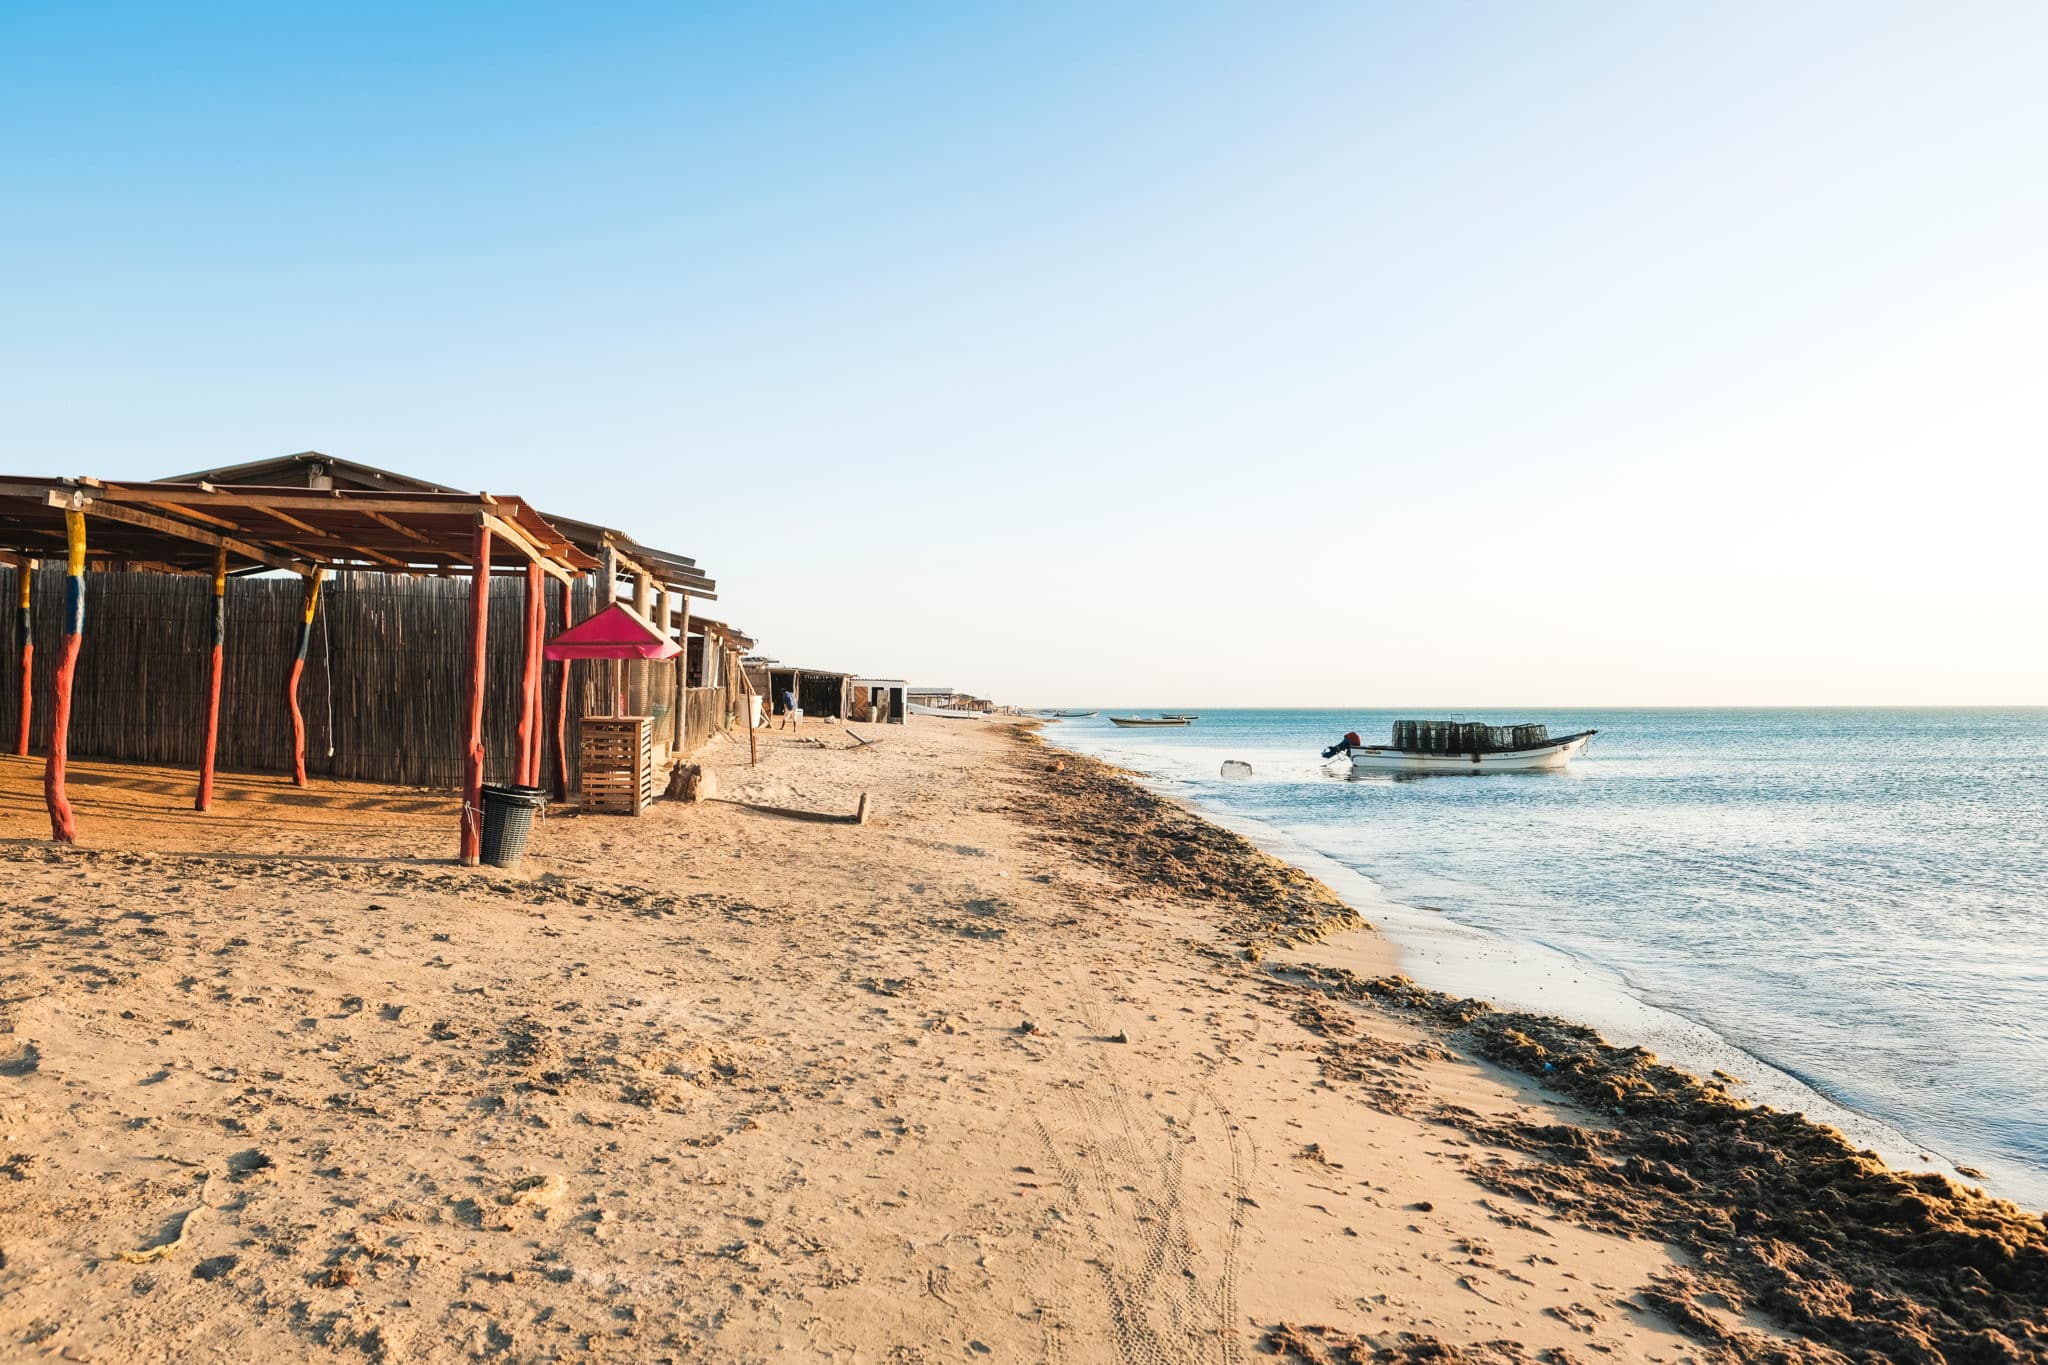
{"x": 1781, "y": 1212}
{"x": 1527, "y": 974}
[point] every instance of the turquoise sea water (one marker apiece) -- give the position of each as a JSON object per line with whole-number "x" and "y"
{"x": 1857, "y": 897}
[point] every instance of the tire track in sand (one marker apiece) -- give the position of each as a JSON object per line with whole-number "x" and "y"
{"x": 1130, "y": 1188}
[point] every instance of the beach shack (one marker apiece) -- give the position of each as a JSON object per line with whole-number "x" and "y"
{"x": 819, "y": 692}
{"x": 662, "y": 586}
{"x": 164, "y": 554}
{"x": 947, "y": 699}
{"x": 880, "y": 701}
{"x": 321, "y": 618}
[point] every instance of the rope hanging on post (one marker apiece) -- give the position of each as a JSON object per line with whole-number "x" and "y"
{"x": 306, "y": 613}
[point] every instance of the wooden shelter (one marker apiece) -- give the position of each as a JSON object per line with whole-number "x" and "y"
{"x": 820, "y": 692}
{"x": 318, "y": 616}
{"x": 686, "y": 701}
{"x": 202, "y": 530}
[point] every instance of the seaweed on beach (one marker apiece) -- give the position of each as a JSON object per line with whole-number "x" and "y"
{"x": 1105, "y": 818}
{"x": 1327, "y": 1346}
{"x": 1785, "y": 1217}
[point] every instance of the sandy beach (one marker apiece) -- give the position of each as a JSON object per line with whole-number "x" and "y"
{"x": 1033, "y": 1065}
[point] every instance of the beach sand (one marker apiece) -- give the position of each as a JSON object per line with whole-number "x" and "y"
{"x": 1031, "y": 1066}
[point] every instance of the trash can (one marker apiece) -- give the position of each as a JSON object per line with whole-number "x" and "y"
{"x": 508, "y": 821}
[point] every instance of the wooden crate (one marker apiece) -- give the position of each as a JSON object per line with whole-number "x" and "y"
{"x": 618, "y": 764}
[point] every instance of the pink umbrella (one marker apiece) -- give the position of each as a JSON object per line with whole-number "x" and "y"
{"x": 616, "y": 632}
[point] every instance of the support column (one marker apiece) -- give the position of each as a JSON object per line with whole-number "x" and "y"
{"x": 562, "y": 706}
{"x": 643, "y": 602}
{"x": 26, "y": 627}
{"x": 62, "y": 827}
{"x": 682, "y": 665}
{"x": 291, "y": 688}
{"x": 529, "y": 680}
{"x": 606, "y": 595}
{"x": 673, "y": 740}
{"x": 204, "y": 802}
{"x": 473, "y": 743}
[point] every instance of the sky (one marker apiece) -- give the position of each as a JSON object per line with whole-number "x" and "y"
{"x": 1083, "y": 354}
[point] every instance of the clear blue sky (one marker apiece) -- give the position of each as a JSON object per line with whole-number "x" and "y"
{"x": 1301, "y": 354}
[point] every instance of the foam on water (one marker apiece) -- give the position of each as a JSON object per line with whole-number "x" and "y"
{"x": 1856, "y": 898}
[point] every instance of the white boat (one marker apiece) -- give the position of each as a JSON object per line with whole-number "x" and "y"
{"x": 1552, "y": 754}
{"x": 947, "y": 712}
{"x": 1129, "y": 722}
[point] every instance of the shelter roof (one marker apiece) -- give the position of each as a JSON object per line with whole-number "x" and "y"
{"x": 706, "y": 626}
{"x": 774, "y": 666}
{"x": 313, "y": 469}
{"x": 180, "y": 528}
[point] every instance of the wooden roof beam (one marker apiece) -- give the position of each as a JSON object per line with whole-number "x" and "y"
{"x": 150, "y": 521}
{"x": 437, "y": 504}
{"x": 397, "y": 526}
{"x": 517, "y": 539}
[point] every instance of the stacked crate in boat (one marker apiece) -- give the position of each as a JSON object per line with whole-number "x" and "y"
{"x": 618, "y": 764}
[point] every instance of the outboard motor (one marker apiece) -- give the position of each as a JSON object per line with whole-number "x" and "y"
{"x": 1345, "y": 745}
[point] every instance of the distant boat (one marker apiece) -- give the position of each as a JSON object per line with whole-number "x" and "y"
{"x": 1446, "y": 746}
{"x": 1073, "y": 715}
{"x": 1128, "y": 721}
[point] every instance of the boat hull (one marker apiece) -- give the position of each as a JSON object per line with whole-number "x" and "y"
{"x": 1133, "y": 722}
{"x": 946, "y": 713}
{"x": 1541, "y": 757}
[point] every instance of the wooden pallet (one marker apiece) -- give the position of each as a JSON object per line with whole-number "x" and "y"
{"x": 618, "y": 764}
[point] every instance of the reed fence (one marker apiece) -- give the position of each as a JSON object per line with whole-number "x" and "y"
{"x": 382, "y": 693}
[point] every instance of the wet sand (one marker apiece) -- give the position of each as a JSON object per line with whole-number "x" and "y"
{"x": 1033, "y": 1065}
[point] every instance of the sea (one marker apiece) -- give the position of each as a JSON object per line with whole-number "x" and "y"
{"x": 1847, "y": 908}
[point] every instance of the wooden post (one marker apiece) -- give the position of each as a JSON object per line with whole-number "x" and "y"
{"x": 683, "y": 663}
{"x": 562, "y": 707}
{"x": 643, "y": 602}
{"x": 528, "y": 767}
{"x": 62, "y": 827}
{"x": 204, "y": 801}
{"x": 607, "y": 595}
{"x": 473, "y": 742}
{"x": 753, "y": 741}
{"x": 539, "y": 582}
{"x": 291, "y": 687}
{"x": 25, "y": 620}
{"x": 672, "y": 741}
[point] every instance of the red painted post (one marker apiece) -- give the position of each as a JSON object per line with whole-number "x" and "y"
{"x": 473, "y": 745}
{"x": 528, "y": 766}
{"x": 62, "y": 827}
{"x": 562, "y": 708}
{"x": 537, "y": 690}
{"x": 204, "y": 802}
{"x": 26, "y": 621}
{"x": 291, "y": 691}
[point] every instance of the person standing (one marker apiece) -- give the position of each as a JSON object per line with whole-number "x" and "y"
{"x": 791, "y": 717}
